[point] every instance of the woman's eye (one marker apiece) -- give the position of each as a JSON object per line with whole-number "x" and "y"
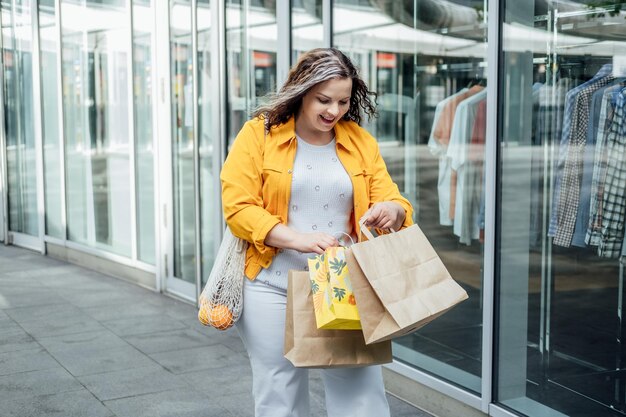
{"x": 343, "y": 103}
{"x": 323, "y": 101}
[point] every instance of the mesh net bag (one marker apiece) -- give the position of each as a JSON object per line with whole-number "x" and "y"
{"x": 221, "y": 300}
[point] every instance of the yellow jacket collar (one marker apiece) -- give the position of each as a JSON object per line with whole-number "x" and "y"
{"x": 287, "y": 131}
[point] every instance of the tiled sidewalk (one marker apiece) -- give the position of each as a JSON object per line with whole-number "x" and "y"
{"x": 76, "y": 343}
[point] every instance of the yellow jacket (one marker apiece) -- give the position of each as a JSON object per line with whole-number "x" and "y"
{"x": 256, "y": 182}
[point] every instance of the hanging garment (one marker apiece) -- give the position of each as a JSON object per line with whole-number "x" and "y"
{"x": 565, "y": 136}
{"x": 476, "y": 158}
{"x": 438, "y": 149}
{"x": 582, "y": 217}
{"x": 467, "y": 186}
{"x": 607, "y": 113}
{"x": 569, "y": 198}
{"x": 614, "y": 197}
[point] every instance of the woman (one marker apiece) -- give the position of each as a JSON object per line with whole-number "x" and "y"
{"x": 300, "y": 175}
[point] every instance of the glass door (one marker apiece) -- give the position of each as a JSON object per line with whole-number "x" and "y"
{"x": 18, "y": 116}
{"x": 181, "y": 277}
{"x": 562, "y": 190}
{"x": 194, "y": 196}
{"x": 209, "y": 164}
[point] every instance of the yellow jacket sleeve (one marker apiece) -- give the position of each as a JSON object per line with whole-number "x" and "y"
{"x": 382, "y": 187}
{"x": 242, "y": 189}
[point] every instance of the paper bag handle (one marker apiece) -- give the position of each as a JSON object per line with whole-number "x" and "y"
{"x": 363, "y": 229}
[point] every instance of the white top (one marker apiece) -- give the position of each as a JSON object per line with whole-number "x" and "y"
{"x": 465, "y": 224}
{"x": 321, "y": 201}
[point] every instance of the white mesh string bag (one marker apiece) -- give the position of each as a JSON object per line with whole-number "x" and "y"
{"x": 221, "y": 300}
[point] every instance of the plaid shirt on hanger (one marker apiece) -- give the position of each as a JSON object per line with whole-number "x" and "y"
{"x": 607, "y": 113}
{"x": 565, "y": 135}
{"x": 569, "y": 199}
{"x": 614, "y": 199}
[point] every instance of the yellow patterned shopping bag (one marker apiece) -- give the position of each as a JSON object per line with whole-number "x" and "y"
{"x": 333, "y": 299}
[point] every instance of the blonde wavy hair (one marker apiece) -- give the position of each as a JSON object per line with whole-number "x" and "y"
{"x": 314, "y": 67}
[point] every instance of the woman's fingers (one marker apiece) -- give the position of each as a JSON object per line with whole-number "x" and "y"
{"x": 379, "y": 216}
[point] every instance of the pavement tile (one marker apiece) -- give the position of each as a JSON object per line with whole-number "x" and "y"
{"x": 195, "y": 359}
{"x": 20, "y": 298}
{"x": 168, "y": 341}
{"x": 123, "y": 310}
{"x": 68, "y": 404}
{"x": 10, "y": 252}
{"x": 89, "y": 361}
{"x": 78, "y": 280}
{"x": 57, "y": 311}
{"x": 11, "y": 341}
{"x": 26, "y": 360}
{"x": 54, "y": 326}
{"x": 175, "y": 308}
{"x": 23, "y": 282}
{"x": 15, "y": 265}
{"x": 239, "y": 405}
{"x": 37, "y": 261}
{"x": 8, "y": 325}
{"x": 91, "y": 297}
{"x": 30, "y": 384}
{"x": 131, "y": 382}
{"x": 235, "y": 379}
{"x": 174, "y": 403}
{"x": 37, "y": 274}
{"x": 95, "y": 340}
{"x": 143, "y": 324}
{"x": 228, "y": 337}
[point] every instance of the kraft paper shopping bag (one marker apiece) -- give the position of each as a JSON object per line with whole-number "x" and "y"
{"x": 309, "y": 347}
{"x": 400, "y": 284}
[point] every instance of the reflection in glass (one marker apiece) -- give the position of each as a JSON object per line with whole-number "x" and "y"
{"x": 307, "y": 31}
{"x": 50, "y": 117}
{"x": 18, "y": 115}
{"x": 209, "y": 201}
{"x": 144, "y": 136}
{"x": 182, "y": 140}
{"x": 96, "y": 111}
{"x": 428, "y": 70}
{"x": 251, "y": 37}
{"x": 562, "y": 210}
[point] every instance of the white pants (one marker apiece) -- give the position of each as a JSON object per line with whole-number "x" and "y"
{"x": 282, "y": 390}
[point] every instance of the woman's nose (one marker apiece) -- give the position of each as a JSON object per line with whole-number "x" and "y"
{"x": 333, "y": 109}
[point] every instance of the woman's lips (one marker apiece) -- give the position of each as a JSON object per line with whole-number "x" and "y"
{"x": 327, "y": 121}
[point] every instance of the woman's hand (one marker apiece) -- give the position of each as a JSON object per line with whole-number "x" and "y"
{"x": 314, "y": 242}
{"x": 284, "y": 237}
{"x": 385, "y": 215}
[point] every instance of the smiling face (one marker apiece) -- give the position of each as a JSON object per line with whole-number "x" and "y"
{"x": 322, "y": 107}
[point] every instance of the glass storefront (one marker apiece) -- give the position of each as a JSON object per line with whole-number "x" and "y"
{"x": 52, "y": 147}
{"x": 182, "y": 139}
{"x": 556, "y": 109}
{"x": 562, "y": 210}
{"x": 96, "y": 112}
{"x": 16, "y": 20}
{"x": 143, "y": 79}
{"x": 208, "y": 171}
{"x": 429, "y": 74}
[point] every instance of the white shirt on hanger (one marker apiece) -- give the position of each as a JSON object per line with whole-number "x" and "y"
{"x": 445, "y": 171}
